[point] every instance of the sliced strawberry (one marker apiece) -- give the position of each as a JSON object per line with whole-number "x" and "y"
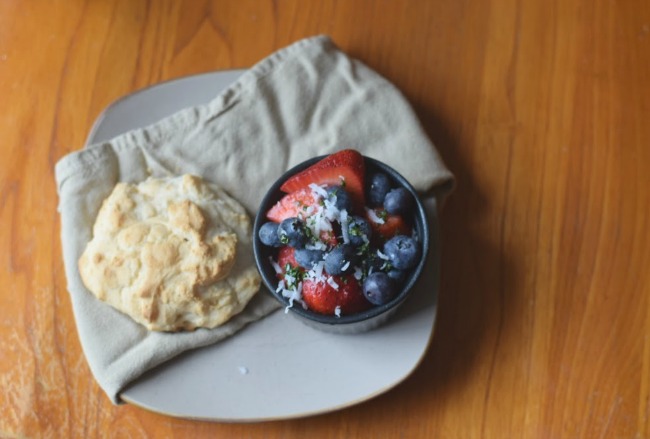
{"x": 329, "y": 238}
{"x": 343, "y": 168}
{"x": 287, "y": 255}
{"x": 291, "y": 205}
{"x": 323, "y": 298}
{"x": 392, "y": 225}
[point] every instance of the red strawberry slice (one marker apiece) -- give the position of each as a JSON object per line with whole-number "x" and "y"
{"x": 323, "y": 298}
{"x": 392, "y": 225}
{"x": 329, "y": 238}
{"x": 344, "y": 168}
{"x": 291, "y": 205}
{"x": 287, "y": 255}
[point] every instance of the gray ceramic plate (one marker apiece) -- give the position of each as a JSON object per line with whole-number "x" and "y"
{"x": 277, "y": 368}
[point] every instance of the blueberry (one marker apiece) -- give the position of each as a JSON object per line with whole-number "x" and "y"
{"x": 379, "y": 187}
{"x": 340, "y": 260}
{"x": 269, "y": 234}
{"x": 308, "y": 258}
{"x": 379, "y": 288}
{"x": 397, "y": 276}
{"x": 292, "y": 232}
{"x": 359, "y": 231}
{"x": 402, "y": 251}
{"x": 339, "y": 197}
{"x": 398, "y": 201}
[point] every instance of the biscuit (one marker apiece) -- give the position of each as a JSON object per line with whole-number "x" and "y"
{"x": 174, "y": 254}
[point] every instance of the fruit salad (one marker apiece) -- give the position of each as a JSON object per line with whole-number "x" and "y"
{"x": 345, "y": 240}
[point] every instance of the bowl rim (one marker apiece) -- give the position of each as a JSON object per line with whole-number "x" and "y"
{"x": 270, "y": 281}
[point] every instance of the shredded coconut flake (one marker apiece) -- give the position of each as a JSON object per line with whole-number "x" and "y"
{"x": 318, "y": 245}
{"x": 318, "y": 190}
{"x": 318, "y": 222}
{"x": 382, "y": 256}
{"x": 332, "y": 283}
{"x": 345, "y": 266}
{"x": 330, "y": 211}
{"x": 294, "y": 295}
{"x": 358, "y": 273}
{"x": 344, "y": 226}
{"x": 316, "y": 273}
{"x": 374, "y": 217}
{"x": 337, "y": 311}
{"x": 275, "y": 265}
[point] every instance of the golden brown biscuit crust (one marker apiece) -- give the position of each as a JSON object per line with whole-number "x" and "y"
{"x": 171, "y": 253}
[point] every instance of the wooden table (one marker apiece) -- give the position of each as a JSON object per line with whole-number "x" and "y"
{"x": 540, "y": 107}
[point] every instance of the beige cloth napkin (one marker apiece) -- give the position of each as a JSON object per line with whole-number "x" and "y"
{"x": 305, "y": 100}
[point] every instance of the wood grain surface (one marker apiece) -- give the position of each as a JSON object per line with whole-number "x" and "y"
{"x": 540, "y": 107}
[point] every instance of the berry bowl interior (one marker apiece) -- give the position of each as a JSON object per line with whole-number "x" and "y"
{"x": 350, "y": 323}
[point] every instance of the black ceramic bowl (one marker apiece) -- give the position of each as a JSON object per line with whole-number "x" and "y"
{"x": 351, "y": 323}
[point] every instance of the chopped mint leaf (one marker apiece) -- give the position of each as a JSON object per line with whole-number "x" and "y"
{"x": 355, "y": 230}
{"x": 294, "y": 272}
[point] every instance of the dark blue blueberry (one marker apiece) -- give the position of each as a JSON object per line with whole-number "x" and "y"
{"x": 402, "y": 251}
{"x": 339, "y": 197}
{"x": 398, "y": 201}
{"x": 379, "y": 288}
{"x": 292, "y": 232}
{"x": 359, "y": 231}
{"x": 341, "y": 260}
{"x": 397, "y": 276}
{"x": 269, "y": 234}
{"x": 379, "y": 186}
{"x": 308, "y": 258}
